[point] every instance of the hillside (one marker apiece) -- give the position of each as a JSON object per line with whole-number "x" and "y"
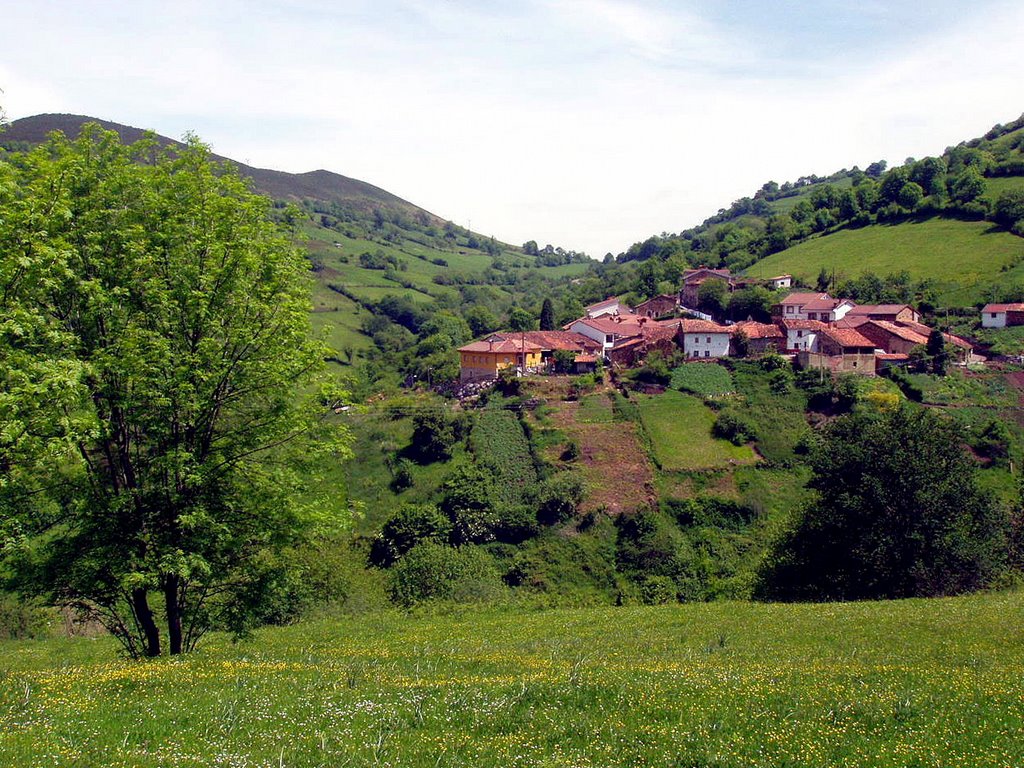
{"x": 921, "y": 682}
{"x": 366, "y": 246}
{"x": 955, "y": 219}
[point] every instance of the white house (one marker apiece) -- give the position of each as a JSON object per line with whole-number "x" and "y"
{"x": 607, "y": 330}
{"x": 802, "y": 335}
{"x": 781, "y": 281}
{"x": 812, "y": 306}
{"x": 1002, "y": 315}
{"x": 704, "y": 339}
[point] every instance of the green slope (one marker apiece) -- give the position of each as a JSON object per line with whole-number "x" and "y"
{"x": 963, "y": 257}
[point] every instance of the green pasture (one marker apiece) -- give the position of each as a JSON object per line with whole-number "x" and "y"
{"x": 912, "y": 683}
{"x": 679, "y": 427}
{"x": 963, "y": 257}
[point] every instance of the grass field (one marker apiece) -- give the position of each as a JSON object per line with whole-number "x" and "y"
{"x": 912, "y": 683}
{"x": 704, "y": 379}
{"x": 679, "y": 426}
{"x": 962, "y": 257}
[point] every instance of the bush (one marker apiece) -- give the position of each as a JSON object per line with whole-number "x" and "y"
{"x": 657, "y": 590}
{"x": 22, "y": 619}
{"x": 431, "y": 571}
{"x": 559, "y": 498}
{"x": 516, "y": 523}
{"x": 733, "y": 427}
{"x": 402, "y": 478}
{"x": 412, "y": 524}
{"x": 467, "y": 499}
{"x": 435, "y": 434}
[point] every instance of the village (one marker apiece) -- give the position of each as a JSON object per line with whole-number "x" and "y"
{"x": 812, "y": 329}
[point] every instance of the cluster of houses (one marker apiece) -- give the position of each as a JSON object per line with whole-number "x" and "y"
{"x": 819, "y": 331}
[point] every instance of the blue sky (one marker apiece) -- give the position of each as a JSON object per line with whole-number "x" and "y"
{"x": 588, "y": 124}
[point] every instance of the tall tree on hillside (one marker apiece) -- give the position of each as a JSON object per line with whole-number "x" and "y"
{"x": 165, "y": 400}
{"x": 936, "y": 349}
{"x": 520, "y": 320}
{"x": 547, "y": 315}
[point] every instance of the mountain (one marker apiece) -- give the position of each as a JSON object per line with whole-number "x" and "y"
{"x": 321, "y": 185}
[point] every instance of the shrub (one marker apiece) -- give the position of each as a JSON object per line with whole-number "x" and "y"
{"x": 559, "y": 498}
{"x": 733, "y": 427}
{"x": 402, "y": 478}
{"x": 22, "y": 619}
{"x": 657, "y": 590}
{"x": 516, "y": 523}
{"x": 467, "y": 499}
{"x": 431, "y": 571}
{"x": 571, "y": 452}
{"x": 899, "y": 513}
{"x": 412, "y": 524}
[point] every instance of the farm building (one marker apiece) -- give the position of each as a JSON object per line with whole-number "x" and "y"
{"x": 761, "y": 337}
{"x": 1002, "y": 315}
{"x": 693, "y": 279}
{"x": 893, "y": 313}
{"x": 659, "y": 305}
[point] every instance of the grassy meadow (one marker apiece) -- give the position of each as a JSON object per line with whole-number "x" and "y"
{"x": 679, "y": 426}
{"x": 911, "y": 683}
{"x": 961, "y": 256}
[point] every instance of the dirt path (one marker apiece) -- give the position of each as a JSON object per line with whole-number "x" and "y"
{"x": 614, "y": 464}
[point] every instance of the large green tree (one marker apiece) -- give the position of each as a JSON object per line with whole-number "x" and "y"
{"x": 163, "y": 397}
{"x": 898, "y": 513}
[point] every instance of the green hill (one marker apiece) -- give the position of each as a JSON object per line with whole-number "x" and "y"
{"x": 964, "y": 258}
{"x": 955, "y": 219}
{"x": 920, "y": 682}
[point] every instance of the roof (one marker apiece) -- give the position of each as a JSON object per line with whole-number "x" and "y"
{"x": 891, "y": 356}
{"x": 847, "y": 337}
{"x": 793, "y": 324}
{"x": 880, "y": 309}
{"x": 814, "y": 302}
{"x": 780, "y": 277}
{"x": 660, "y": 297}
{"x": 609, "y": 300}
{"x": 620, "y": 325}
{"x": 585, "y": 359}
{"x": 568, "y": 340}
{"x": 499, "y": 345}
{"x": 803, "y": 297}
{"x": 901, "y": 331}
{"x": 925, "y": 331}
{"x": 755, "y": 330}
{"x": 702, "y": 326}
{"x": 1003, "y": 308}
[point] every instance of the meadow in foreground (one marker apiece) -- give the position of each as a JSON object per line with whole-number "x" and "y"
{"x": 910, "y": 683}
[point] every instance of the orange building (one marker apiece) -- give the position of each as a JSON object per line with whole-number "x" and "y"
{"x": 482, "y": 360}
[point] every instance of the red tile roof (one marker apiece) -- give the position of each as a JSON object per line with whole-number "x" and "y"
{"x": 755, "y": 330}
{"x": 702, "y": 326}
{"x": 847, "y": 337}
{"x": 879, "y": 309}
{"x": 901, "y": 331}
{"x": 1003, "y": 308}
{"x": 500, "y": 345}
{"x": 568, "y": 340}
{"x": 796, "y": 323}
{"x": 609, "y": 300}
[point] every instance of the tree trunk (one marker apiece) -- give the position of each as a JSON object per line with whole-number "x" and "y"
{"x": 173, "y": 604}
{"x": 144, "y": 614}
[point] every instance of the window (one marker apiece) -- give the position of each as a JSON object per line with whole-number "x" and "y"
{"x": 812, "y": 315}
{"x": 608, "y": 339}
{"x": 708, "y": 339}
{"x": 789, "y": 310}
{"x": 707, "y": 353}
{"x": 799, "y": 334}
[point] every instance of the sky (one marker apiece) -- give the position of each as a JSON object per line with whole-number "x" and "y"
{"x": 587, "y": 124}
